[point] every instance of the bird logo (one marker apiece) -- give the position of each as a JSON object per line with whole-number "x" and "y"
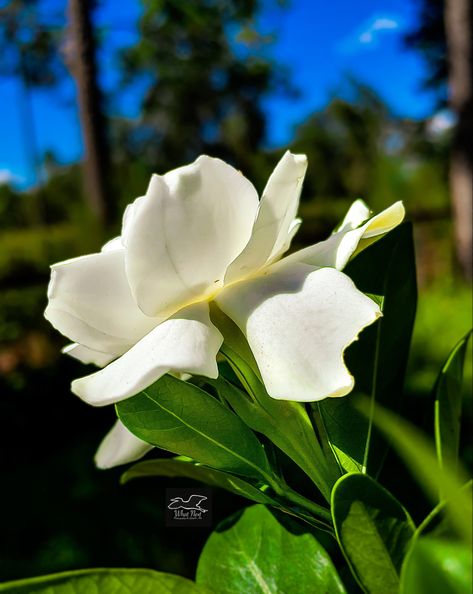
{"x": 192, "y": 503}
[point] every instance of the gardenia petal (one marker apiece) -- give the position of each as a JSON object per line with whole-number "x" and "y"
{"x": 87, "y": 356}
{"x": 186, "y": 343}
{"x": 293, "y": 229}
{"x": 298, "y": 321}
{"x": 347, "y": 242}
{"x": 127, "y": 220}
{"x": 357, "y": 214}
{"x": 91, "y": 303}
{"x": 286, "y": 181}
{"x": 181, "y": 237}
{"x": 120, "y": 446}
{"x": 113, "y": 244}
{"x": 274, "y": 226}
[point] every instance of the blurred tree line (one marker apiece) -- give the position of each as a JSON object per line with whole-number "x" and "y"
{"x": 206, "y": 74}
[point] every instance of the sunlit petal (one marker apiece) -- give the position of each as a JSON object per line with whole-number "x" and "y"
{"x": 357, "y": 214}
{"x": 275, "y": 223}
{"x": 186, "y": 343}
{"x": 298, "y": 321}
{"x": 91, "y": 303}
{"x": 112, "y": 245}
{"x": 88, "y": 356}
{"x": 181, "y": 237}
{"x": 347, "y": 242}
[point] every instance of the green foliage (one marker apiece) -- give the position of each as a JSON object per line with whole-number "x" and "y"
{"x": 284, "y": 499}
{"x": 436, "y": 566}
{"x": 20, "y": 312}
{"x": 57, "y": 200}
{"x": 104, "y": 581}
{"x": 346, "y": 132}
{"x": 14, "y": 208}
{"x": 373, "y": 530}
{"x": 429, "y": 39}
{"x": 420, "y": 457}
{"x": 183, "y": 419}
{"x": 386, "y": 269}
{"x": 29, "y": 49}
{"x": 436, "y": 562}
{"x": 422, "y": 184}
{"x": 187, "y": 468}
{"x": 254, "y": 552}
{"x": 27, "y": 254}
{"x": 428, "y": 355}
{"x": 286, "y": 424}
{"x": 448, "y": 404}
{"x": 378, "y": 360}
{"x": 357, "y": 148}
{"x": 225, "y": 89}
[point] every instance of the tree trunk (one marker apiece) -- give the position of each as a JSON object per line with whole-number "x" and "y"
{"x": 458, "y": 25}
{"x": 81, "y": 60}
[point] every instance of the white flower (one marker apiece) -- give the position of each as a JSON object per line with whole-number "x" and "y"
{"x": 140, "y": 307}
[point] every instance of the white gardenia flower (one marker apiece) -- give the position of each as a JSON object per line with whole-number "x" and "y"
{"x": 140, "y": 307}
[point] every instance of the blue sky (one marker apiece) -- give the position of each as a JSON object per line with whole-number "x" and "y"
{"x": 321, "y": 41}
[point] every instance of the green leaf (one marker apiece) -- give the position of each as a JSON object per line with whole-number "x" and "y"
{"x": 373, "y": 530}
{"x": 180, "y": 417}
{"x": 436, "y": 566}
{"x": 287, "y": 501}
{"x": 420, "y": 457}
{"x": 448, "y": 404}
{"x": 346, "y": 430}
{"x": 285, "y": 423}
{"x": 435, "y": 563}
{"x": 104, "y": 581}
{"x": 385, "y": 271}
{"x": 260, "y": 555}
{"x": 181, "y": 467}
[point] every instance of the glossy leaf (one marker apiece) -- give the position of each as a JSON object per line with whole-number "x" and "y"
{"x": 257, "y": 553}
{"x": 346, "y": 430}
{"x": 283, "y": 422}
{"x": 180, "y": 417}
{"x": 436, "y": 566}
{"x": 448, "y": 404}
{"x": 420, "y": 457}
{"x": 287, "y": 501}
{"x": 182, "y": 467}
{"x": 385, "y": 271}
{"x": 104, "y": 581}
{"x": 373, "y": 530}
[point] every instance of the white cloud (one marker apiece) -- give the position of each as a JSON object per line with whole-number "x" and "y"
{"x": 378, "y": 24}
{"x": 370, "y": 32}
{"x": 8, "y": 177}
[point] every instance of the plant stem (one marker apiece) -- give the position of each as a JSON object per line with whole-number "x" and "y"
{"x": 315, "y": 510}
